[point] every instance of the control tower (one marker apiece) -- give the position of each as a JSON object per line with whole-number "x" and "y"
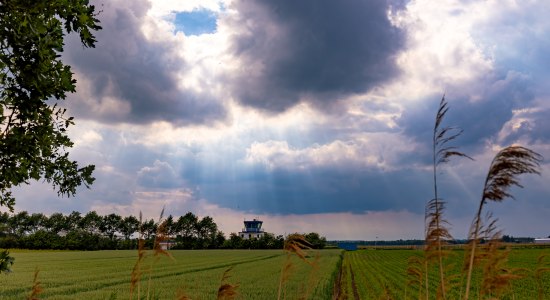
{"x": 252, "y": 229}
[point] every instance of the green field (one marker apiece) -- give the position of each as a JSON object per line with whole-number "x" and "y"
{"x": 366, "y": 274}
{"x": 381, "y": 274}
{"x": 106, "y": 274}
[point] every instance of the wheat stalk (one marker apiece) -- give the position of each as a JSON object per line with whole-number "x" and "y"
{"x": 36, "y": 287}
{"x": 437, "y": 231}
{"x": 294, "y": 245}
{"x": 505, "y": 168}
{"x": 227, "y": 291}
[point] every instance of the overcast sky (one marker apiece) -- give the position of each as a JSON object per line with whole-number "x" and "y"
{"x": 311, "y": 115}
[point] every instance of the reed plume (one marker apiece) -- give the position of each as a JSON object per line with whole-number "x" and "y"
{"x": 227, "y": 291}
{"x": 436, "y": 226}
{"x": 505, "y": 168}
{"x": 36, "y": 287}
{"x": 138, "y": 270}
{"x": 294, "y": 244}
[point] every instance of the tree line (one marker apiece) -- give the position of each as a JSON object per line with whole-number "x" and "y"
{"x": 92, "y": 231}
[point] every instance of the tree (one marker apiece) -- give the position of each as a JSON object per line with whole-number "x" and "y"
{"x": 170, "y": 226}
{"x": 91, "y": 222}
{"x": 110, "y": 225}
{"x": 56, "y": 223}
{"x": 130, "y": 225}
{"x": 148, "y": 229}
{"x": 33, "y": 139}
{"x": 316, "y": 241}
{"x": 186, "y": 227}
{"x": 72, "y": 221}
{"x": 206, "y": 232}
{"x": 187, "y": 224}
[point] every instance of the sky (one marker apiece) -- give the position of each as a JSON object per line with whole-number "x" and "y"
{"x": 311, "y": 115}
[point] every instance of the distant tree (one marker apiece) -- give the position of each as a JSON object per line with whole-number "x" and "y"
{"x": 218, "y": 240}
{"x": 148, "y": 229}
{"x": 507, "y": 239}
{"x": 56, "y": 223}
{"x": 233, "y": 242}
{"x": 186, "y": 230}
{"x": 170, "y": 226}
{"x": 4, "y": 218}
{"x": 206, "y": 233}
{"x": 316, "y": 240}
{"x": 91, "y": 222}
{"x": 37, "y": 222}
{"x": 33, "y": 138}
{"x": 187, "y": 225}
{"x": 110, "y": 225}
{"x": 20, "y": 223}
{"x": 72, "y": 221}
{"x": 130, "y": 225}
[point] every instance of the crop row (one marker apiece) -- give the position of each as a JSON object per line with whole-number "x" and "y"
{"x": 197, "y": 274}
{"x": 374, "y": 274}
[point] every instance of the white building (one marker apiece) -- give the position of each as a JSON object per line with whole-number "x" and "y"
{"x": 252, "y": 229}
{"x": 542, "y": 241}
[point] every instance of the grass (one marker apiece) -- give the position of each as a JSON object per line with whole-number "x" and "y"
{"x": 196, "y": 273}
{"x": 377, "y": 274}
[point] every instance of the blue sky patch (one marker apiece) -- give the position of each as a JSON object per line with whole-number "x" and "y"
{"x": 196, "y": 22}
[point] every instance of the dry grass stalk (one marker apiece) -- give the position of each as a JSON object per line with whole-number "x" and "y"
{"x": 135, "y": 280}
{"x": 416, "y": 273}
{"x": 505, "y": 168}
{"x": 36, "y": 287}
{"x": 497, "y": 277}
{"x": 295, "y": 244}
{"x": 138, "y": 270}
{"x": 160, "y": 236}
{"x": 312, "y": 277}
{"x": 436, "y": 226}
{"x": 386, "y": 293}
{"x": 227, "y": 291}
{"x": 181, "y": 295}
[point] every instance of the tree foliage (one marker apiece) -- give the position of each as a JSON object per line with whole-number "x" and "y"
{"x": 96, "y": 232}
{"x": 33, "y": 139}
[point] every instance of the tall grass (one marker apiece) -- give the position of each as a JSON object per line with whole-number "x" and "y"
{"x": 138, "y": 270}
{"x": 227, "y": 291}
{"x": 296, "y": 245}
{"x": 36, "y": 287}
{"x": 507, "y": 165}
{"x": 436, "y": 225}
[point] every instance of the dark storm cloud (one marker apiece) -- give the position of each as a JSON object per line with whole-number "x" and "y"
{"x": 481, "y": 119}
{"x": 138, "y": 73}
{"x": 318, "y": 189}
{"x": 317, "y": 51}
{"x": 534, "y": 128}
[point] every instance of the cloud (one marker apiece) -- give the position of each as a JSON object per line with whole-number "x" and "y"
{"x": 386, "y": 224}
{"x": 351, "y": 91}
{"x": 132, "y": 78}
{"x": 160, "y": 175}
{"x": 528, "y": 125}
{"x": 480, "y": 108}
{"x": 319, "y": 52}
